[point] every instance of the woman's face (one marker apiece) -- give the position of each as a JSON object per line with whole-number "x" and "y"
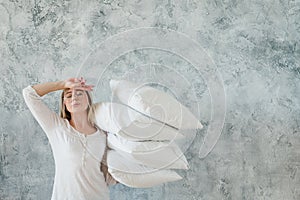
{"x": 76, "y": 100}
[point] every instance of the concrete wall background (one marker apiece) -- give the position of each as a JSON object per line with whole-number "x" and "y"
{"x": 254, "y": 44}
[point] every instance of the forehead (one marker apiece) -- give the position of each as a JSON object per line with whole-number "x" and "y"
{"x": 71, "y": 90}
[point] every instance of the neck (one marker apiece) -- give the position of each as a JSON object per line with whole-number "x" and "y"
{"x": 79, "y": 120}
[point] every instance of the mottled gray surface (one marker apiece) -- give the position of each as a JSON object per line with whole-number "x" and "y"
{"x": 254, "y": 44}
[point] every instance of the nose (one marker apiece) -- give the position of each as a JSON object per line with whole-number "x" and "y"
{"x": 74, "y": 98}
{"x": 74, "y": 95}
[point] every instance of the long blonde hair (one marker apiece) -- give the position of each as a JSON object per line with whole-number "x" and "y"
{"x": 65, "y": 114}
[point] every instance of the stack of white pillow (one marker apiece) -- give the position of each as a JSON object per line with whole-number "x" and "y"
{"x": 142, "y": 133}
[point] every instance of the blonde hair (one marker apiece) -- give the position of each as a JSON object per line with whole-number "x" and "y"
{"x": 65, "y": 114}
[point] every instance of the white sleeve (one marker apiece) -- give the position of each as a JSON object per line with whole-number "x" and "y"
{"x": 47, "y": 118}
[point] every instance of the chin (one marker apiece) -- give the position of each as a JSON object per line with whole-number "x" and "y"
{"x": 77, "y": 109}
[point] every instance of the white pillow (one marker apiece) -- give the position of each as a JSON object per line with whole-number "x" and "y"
{"x": 154, "y": 103}
{"x": 132, "y": 174}
{"x": 161, "y": 156}
{"x": 119, "y": 143}
{"x": 145, "y": 180}
{"x": 122, "y": 120}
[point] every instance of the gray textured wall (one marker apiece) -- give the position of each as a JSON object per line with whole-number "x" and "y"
{"x": 254, "y": 44}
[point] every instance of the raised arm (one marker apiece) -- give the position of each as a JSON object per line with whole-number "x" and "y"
{"x": 45, "y": 88}
{"x": 47, "y": 118}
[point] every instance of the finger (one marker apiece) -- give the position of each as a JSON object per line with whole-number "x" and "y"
{"x": 75, "y": 85}
{"x": 88, "y": 86}
{"x": 82, "y": 79}
{"x": 82, "y": 82}
{"x": 84, "y": 87}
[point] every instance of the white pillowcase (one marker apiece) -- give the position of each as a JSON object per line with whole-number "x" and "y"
{"x": 133, "y": 174}
{"x": 119, "y": 143}
{"x": 122, "y": 120}
{"x": 166, "y": 155}
{"x": 154, "y": 103}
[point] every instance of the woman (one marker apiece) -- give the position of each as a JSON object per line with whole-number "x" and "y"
{"x": 78, "y": 145}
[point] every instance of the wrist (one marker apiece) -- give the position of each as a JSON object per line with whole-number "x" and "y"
{"x": 61, "y": 85}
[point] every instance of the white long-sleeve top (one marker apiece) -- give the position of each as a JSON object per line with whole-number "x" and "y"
{"x": 77, "y": 157}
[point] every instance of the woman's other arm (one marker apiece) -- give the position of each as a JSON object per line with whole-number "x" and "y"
{"x": 107, "y": 176}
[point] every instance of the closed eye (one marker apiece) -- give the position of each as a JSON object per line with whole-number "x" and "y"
{"x": 78, "y": 93}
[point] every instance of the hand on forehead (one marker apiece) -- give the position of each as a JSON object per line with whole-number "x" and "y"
{"x": 77, "y": 84}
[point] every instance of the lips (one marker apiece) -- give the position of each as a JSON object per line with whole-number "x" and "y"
{"x": 75, "y": 104}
